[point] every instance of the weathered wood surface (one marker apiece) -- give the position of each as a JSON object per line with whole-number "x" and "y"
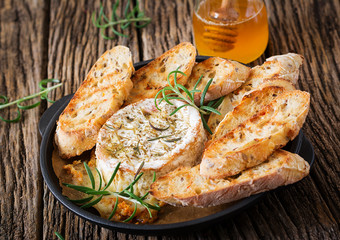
{"x": 56, "y": 38}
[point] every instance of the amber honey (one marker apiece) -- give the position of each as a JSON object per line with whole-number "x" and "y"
{"x": 243, "y": 39}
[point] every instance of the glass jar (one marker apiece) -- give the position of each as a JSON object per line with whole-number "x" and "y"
{"x": 232, "y": 29}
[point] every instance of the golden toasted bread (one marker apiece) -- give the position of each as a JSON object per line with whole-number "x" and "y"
{"x": 286, "y": 66}
{"x": 100, "y": 95}
{"x": 284, "y": 69}
{"x": 250, "y": 105}
{"x": 76, "y": 174}
{"x": 186, "y": 187}
{"x": 255, "y": 139}
{"x": 227, "y": 75}
{"x": 148, "y": 80}
{"x": 234, "y": 99}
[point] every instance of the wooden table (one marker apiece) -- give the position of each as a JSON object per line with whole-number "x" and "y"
{"x": 55, "y": 38}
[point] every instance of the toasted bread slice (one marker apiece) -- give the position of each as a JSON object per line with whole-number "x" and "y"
{"x": 284, "y": 69}
{"x": 76, "y": 174}
{"x": 286, "y": 66}
{"x": 101, "y": 94}
{"x": 148, "y": 80}
{"x": 186, "y": 187}
{"x": 141, "y": 133}
{"x": 257, "y": 138}
{"x": 227, "y": 75}
{"x": 234, "y": 99}
{"x": 250, "y": 105}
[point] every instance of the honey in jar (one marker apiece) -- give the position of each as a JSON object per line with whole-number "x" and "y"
{"x": 232, "y": 29}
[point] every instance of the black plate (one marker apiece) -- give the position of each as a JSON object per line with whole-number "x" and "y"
{"x": 47, "y": 125}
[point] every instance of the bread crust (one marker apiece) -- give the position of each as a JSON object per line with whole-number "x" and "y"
{"x": 148, "y": 80}
{"x": 186, "y": 187}
{"x": 100, "y": 95}
{"x": 257, "y": 138}
{"x": 227, "y": 76}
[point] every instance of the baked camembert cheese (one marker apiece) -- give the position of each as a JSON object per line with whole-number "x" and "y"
{"x": 141, "y": 133}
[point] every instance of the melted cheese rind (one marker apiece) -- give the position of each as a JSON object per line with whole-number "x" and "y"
{"x": 130, "y": 137}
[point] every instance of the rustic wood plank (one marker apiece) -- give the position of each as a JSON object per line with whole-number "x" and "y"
{"x": 74, "y": 46}
{"x": 299, "y": 211}
{"x": 309, "y": 209}
{"x": 171, "y": 24}
{"x": 22, "y": 46}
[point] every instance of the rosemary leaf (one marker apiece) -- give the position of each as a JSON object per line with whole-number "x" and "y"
{"x": 59, "y": 236}
{"x": 86, "y": 190}
{"x": 112, "y": 177}
{"x": 210, "y": 109}
{"x": 100, "y": 179}
{"x": 179, "y": 108}
{"x": 89, "y": 173}
{"x": 218, "y": 102}
{"x": 154, "y": 176}
{"x": 205, "y": 91}
{"x": 94, "y": 202}
{"x": 139, "y": 169}
{"x": 173, "y": 140}
{"x": 205, "y": 124}
{"x": 28, "y": 106}
{"x": 198, "y": 81}
{"x": 133, "y": 182}
{"x": 158, "y": 129}
{"x": 114, "y": 209}
{"x": 15, "y": 120}
{"x": 132, "y": 215}
{"x": 186, "y": 91}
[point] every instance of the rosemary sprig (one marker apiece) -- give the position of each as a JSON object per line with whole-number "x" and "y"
{"x": 135, "y": 16}
{"x": 178, "y": 91}
{"x": 42, "y": 94}
{"x": 126, "y": 194}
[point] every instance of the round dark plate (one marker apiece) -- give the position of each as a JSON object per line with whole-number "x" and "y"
{"x": 47, "y": 126}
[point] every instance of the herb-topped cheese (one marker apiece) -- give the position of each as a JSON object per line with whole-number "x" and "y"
{"x": 142, "y": 133}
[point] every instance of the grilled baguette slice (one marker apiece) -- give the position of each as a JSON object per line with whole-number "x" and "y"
{"x": 227, "y": 76}
{"x": 250, "y": 105}
{"x": 286, "y": 66}
{"x": 186, "y": 187}
{"x": 148, "y": 80}
{"x": 253, "y": 141}
{"x": 101, "y": 94}
{"x": 234, "y": 99}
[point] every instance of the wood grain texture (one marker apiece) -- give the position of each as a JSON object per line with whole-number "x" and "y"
{"x": 21, "y": 60}
{"x": 56, "y": 38}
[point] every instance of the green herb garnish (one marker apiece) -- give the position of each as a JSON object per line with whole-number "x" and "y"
{"x": 59, "y": 236}
{"x": 157, "y": 128}
{"x": 179, "y": 92}
{"x": 126, "y": 194}
{"x": 42, "y": 94}
{"x": 136, "y": 16}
